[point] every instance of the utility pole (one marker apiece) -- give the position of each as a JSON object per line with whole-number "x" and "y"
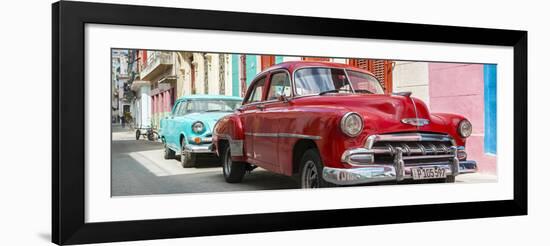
{"x": 243, "y": 75}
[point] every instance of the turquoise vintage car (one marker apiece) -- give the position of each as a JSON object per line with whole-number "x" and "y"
{"x": 188, "y": 129}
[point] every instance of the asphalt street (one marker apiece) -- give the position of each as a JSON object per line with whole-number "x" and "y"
{"x": 138, "y": 168}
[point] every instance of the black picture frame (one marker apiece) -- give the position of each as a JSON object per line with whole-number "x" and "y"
{"x": 68, "y": 122}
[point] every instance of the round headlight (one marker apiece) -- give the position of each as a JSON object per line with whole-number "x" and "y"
{"x": 465, "y": 128}
{"x": 198, "y": 127}
{"x": 351, "y": 124}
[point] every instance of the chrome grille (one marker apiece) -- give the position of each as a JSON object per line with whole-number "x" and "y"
{"x": 416, "y": 148}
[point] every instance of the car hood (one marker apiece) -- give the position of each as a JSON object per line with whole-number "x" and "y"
{"x": 384, "y": 113}
{"x": 208, "y": 118}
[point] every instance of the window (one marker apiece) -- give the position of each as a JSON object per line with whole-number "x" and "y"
{"x": 365, "y": 83}
{"x": 257, "y": 91}
{"x": 211, "y": 105}
{"x": 280, "y": 85}
{"x": 316, "y": 80}
{"x": 175, "y": 110}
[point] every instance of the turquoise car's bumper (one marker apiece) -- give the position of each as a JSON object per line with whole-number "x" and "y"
{"x": 199, "y": 148}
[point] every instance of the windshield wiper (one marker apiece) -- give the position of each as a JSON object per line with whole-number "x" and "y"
{"x": 213, "y": 110}
{"x": 332, "y": 91}
{"x": 329, "y": 91}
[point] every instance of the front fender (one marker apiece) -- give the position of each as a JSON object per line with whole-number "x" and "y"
{"x": 448, "y": 123}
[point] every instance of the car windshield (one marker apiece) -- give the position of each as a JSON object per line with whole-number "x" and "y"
{"x": 320, "y": 80}
{"x": 213, "y": 105}
{"x": 364, "y": 83}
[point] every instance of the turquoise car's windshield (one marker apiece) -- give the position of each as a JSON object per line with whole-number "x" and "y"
{"x": 212, "y": 105}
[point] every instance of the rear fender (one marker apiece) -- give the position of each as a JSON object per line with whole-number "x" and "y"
{"x": 230, "y": 129}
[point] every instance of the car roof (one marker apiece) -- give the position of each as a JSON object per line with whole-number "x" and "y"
{"x": 197, "y": 97}
{"x": 291, "y": 66}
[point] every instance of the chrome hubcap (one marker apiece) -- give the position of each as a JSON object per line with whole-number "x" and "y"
{"x": 310, "y": 176}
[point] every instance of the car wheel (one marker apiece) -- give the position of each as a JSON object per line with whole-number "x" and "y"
{"x": 233, "y": 171}
{"x": 138, "y": 134}
{"x": 187, "y": 159}
{"x": 311, "y": 171}
{"x": 168, "y": 153}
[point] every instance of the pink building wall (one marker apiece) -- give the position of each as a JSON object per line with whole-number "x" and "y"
{"x": 458, "y": 88}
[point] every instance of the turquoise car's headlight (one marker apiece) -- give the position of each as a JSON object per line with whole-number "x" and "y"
{"x": 198, "y": 127}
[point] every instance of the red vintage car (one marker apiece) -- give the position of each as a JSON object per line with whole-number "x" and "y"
{"x": 332, "y": 125}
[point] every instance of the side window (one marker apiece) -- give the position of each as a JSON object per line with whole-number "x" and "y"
{"x": 181, "y": 108}
{"x": 257, "y": 91}
{"x": 280, "y": 85}
{"x": 176, "y": 108}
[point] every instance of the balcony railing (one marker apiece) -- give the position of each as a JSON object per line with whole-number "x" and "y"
{"x": 156, "y": 63}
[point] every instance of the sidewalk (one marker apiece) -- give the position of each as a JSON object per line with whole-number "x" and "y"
{"x": 476, "y": 178}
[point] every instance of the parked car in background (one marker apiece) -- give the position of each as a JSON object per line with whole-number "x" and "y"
{"x": 332, "y": 124}
{"x": 188, "y": 129}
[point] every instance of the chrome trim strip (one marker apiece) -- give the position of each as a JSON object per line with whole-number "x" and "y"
{"x": 407, "y": 137}
{"x": 204, "y": 148}
{"x": 235, "y": 145}
{"x": 283, "y": 135}
{"x": 415, "y": 110}
{"x": 236, "y": 148}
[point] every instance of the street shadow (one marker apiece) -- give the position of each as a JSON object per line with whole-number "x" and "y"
{"x": 206, "y": 161}
{"x": 128, "y": 146}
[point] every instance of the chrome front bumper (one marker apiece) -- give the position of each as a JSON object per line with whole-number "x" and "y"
{"x": 199, "y": 148}
{"x": 406, "y": 151}
{"x": 373, "y": 173}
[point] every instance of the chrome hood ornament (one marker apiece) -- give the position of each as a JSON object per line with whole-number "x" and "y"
{"x": 415, "y": 121}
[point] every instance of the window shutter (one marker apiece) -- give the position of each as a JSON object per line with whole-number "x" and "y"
{"x": 315, "y": 59}
{"x": 267, "y": 61}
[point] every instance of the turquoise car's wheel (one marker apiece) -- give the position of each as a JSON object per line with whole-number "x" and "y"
{"x": 187, "y": 159}
{"x": 233, "y": 171}
{"x": 168, "y": 153}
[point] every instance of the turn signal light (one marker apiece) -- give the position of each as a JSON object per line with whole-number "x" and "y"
{"x": 197, "y": 140}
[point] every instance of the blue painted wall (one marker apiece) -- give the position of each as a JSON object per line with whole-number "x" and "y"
{"x": 278, "y": 59}
{"x": 251, "y": 71}
{"x": 490, "y": 101}
{"x": 235, "y": 75}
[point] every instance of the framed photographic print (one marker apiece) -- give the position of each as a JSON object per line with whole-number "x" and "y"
{"x": 175, "y": 122}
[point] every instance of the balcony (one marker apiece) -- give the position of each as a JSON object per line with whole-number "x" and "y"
{"x": 157, "y": 63}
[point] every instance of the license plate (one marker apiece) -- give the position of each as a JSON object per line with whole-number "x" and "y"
{"x": 428, "y": 173}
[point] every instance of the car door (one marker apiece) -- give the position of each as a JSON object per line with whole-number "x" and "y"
{"x": 268, "y": 137}
{"x": 171, "y": 125}
{"x": 253, "y": 104}
{"x": 178, "y": 123}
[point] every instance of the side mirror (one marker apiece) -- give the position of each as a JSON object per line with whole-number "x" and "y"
{"x": 283, "y": 98}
